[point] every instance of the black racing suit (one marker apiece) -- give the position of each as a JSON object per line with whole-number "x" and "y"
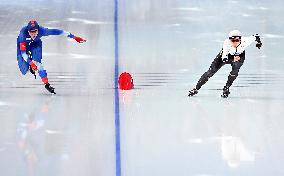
{"x": 217, "y": 64}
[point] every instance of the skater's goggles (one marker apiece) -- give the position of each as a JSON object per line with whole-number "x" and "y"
{"x": 33, "y": 31}
{"x": 235, "y": 40}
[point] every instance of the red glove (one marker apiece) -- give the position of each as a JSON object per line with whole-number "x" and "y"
{"x": 33, "y": 66}
{"x": 79, "y": 39}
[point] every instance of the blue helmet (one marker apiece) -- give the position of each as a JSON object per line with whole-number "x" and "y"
{"x": 32, "y": 25}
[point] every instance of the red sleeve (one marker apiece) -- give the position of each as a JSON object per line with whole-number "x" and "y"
{"x": 23, "y": 46}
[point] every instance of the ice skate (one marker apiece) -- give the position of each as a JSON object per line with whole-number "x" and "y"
{"x": 226, "y": 92}
{"x": 49, "y": 88}
{"x": 192, "y": 92}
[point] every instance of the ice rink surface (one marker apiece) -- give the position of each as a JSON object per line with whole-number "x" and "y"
{"x": 166, "y": 45}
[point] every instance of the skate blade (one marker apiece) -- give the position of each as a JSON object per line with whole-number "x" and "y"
{"x": 51, "y": 91}
{"x": 224, "y": 96}
{"x": 191, "y": 95}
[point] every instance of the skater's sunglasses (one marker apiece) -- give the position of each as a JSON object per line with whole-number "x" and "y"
{"x": 33, "y": 31}
{"x": 235, "y": 40}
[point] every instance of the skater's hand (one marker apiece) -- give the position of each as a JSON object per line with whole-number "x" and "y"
{"x": 79, "y": 39}
{"x": 237, "y": 58}
{"x": 33, "y": 66}
{"x": 257, "y": 39}
{"x": 258, "y": 45}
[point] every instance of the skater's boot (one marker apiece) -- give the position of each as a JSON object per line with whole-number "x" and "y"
{"x": 226, "y": 92}
{"x": 49, "y": 88}
{"x": 192, "y": 92}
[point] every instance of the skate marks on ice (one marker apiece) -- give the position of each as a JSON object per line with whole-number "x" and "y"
{"x": 148, "y": 80}
{"x": 65, "y": 83}
{"x": 247, "y": 85}
{"x": 181, "y": 79}
{"x": 29, "y": 81}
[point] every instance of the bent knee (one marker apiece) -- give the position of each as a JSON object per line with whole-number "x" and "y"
{"x": 234, "y": 73}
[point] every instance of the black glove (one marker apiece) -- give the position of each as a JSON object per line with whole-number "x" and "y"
{"x": 32, "y": 72}
{"x": 258, "y": 45}
{"x": 257, "y": 39}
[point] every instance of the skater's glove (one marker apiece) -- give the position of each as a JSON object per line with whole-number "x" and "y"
{"x": 258, "y": 45}
{"x": 33, "y": 66}
{"x": 79, "y": 39}
{"x": 257, "y": 39}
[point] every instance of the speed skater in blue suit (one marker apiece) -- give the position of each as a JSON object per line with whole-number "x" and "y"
{"x": 29, "y": 49}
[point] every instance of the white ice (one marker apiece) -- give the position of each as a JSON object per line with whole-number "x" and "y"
{"x": 166, "y": 45}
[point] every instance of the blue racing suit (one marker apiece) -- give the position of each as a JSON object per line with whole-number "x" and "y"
{"x": 29, "y": 49}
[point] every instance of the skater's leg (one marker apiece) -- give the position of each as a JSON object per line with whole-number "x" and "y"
{"x": 36, "y": 52}
{"x": 233, "y": 75}
{"x": 235, "y": 71}
{"x": 214, "y": 67}
{"x": 42, "y": 73}
{"x": 36, "y": 57}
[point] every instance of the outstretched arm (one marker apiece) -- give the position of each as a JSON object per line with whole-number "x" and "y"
{"x": 249, "y": 40}
{"x": 78, "y": 39}
{"x": 47, "y": 32}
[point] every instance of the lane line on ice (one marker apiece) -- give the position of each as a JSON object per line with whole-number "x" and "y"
{"x": 116, "y": 96}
